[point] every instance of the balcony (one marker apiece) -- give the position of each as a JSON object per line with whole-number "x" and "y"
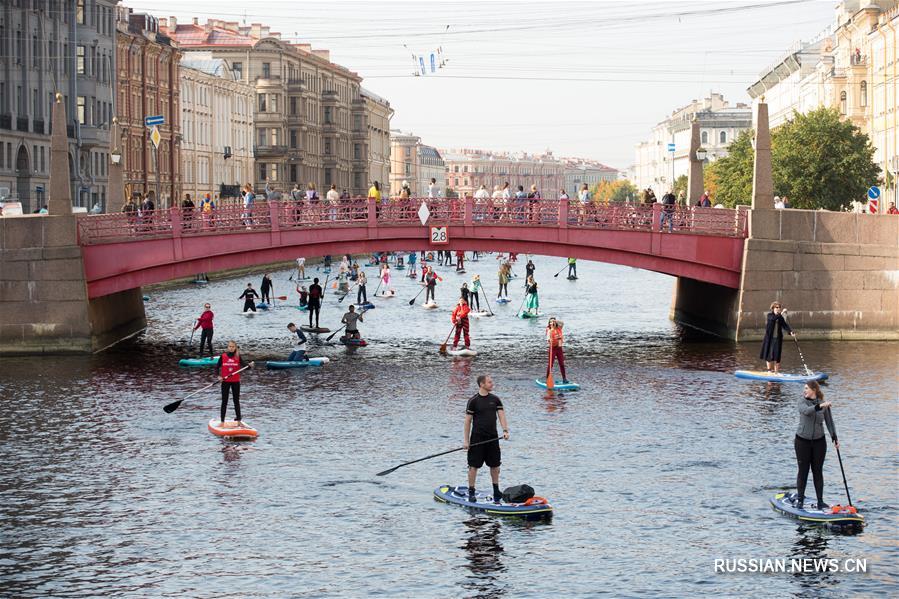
{"x": 269, "y": 117}
{"x": 296, "y": 85}
{"x": 37, "y": 125}
{"x": 94, "y": 137}
{"x": 329, "y": 127}
{"x": 5, "y": 121}
{"x": 22, "y": 124}
{"x": 269, "y": 151}
{"x": 270, "y": 81}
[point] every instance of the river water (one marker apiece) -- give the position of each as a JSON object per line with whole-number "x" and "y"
{"x": 662, "y": 463}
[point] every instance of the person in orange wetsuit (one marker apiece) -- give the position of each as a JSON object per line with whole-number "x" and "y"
{"x": 460, "y": 319}
{"x": 554, "y": 335}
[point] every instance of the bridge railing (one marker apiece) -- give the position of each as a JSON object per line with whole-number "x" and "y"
{"x": 526, "y": 212}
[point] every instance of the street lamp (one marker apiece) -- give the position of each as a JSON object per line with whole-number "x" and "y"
{"x": 701, "y": 154}
{"x": 116, "y": 155}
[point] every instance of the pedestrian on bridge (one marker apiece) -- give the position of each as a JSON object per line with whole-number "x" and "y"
{"x": 249, "y": 297}
{"x": 668, "y": 201}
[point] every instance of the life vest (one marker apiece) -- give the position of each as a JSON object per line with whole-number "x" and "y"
{"x": 230, "y": 365}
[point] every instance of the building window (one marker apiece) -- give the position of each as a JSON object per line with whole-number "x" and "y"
{"x": 327, "y": 146}
{"x": 293, "y": 105}
{"x": 273, "y": 172}
{"x": 722, "y": 137}
{"x": 357, "y": 151}
{"x": 863, "y": 96}
{"x": 273, "y": 103}
{"x": 293, "y": 141}
{"x": 266, "y": 70}
{"x": 261, "y": 102}
{"x": 842, "y": 102}
{"x": 262, "y": 171}
{"x": 456, "y": 169}
{"x": 237, "y": 70}
{"x": 704, "y": 137}
{"x": 81, "y": 110}
{"x": 357, "y": 121}
{"x": 327, "y": 176}
{"x": 260, "y": 134}
{"x": 275, "y": 132}
{"x": 293, "y": 173}
{"x": 79, "y": 11}
{"x": 79, "y": 60}
{"x": 327, "y": 115}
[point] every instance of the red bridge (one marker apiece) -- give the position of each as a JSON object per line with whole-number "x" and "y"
{"x": 125, "y": 251}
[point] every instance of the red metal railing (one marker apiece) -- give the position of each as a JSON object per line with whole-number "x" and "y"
{"x": 524, "y": 212}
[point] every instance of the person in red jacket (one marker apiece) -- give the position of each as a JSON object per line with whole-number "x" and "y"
{"x": 229, "y": 363}
{"x": 460, "y": 319}
{"x": 460, "y": 260}
{"x": 205, "y": 322}
{"x": 431, "y": 279}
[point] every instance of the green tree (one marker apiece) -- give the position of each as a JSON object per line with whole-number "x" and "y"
{"x": 821, "y": 161}
{"x": 613, "y": 191}
{"x": 680, "y": 185}
{"x": 729, "y": 179}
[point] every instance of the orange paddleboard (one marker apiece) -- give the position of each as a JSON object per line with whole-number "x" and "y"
{"x": 231, "y": 429}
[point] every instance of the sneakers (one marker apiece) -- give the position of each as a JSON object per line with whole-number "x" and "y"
{"x": 472, "y": 498}
{"x": 822, "y": 506}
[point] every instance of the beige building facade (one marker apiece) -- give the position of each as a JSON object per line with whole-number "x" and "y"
{"x": 377, "y": 116}
{"x": 468, "y": 169}
{"x": 578, "y": 172}
{"x": 309, "y": 112}
{"x": 415, "y": 163}
{"x": 216, "y": 128}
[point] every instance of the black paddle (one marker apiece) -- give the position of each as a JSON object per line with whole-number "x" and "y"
{"x": 842, "y": 471}
{"x": 190, "y": 345}
{"x": 386, "y": 472}
{"x": 176, "y": 404}
{"x": 522, "y": 301}
{"x": 560, "y": 272}
{"x": 412, "y": 301}
{"x": 343, "y": 297}
{"x": 487, "y": 300}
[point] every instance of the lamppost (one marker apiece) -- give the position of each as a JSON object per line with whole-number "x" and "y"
{"x": 116, "y": 182}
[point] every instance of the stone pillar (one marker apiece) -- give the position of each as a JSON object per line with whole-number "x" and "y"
{"x": 762, "y": 182}
{"x": 694, "y": 175}
{"x": 60, "y": 192}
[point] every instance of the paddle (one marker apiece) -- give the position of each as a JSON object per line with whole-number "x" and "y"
{"x": 380, "y": 280}
{"x": 412, "y": 301}
{"x": 560, "y": 272}
{"x": 802, "y": 358}
{"x": 176, "y": 404}
{"x": 190, "y": 344}
{"x": 442, "y": 349}
{"x": 522, "y": 301}
{"x": 550, "y": 383}
{"x": 331, "y": 336}
{"x": 842, "y": 471}
{"x": 343, "y": 297}
{"x": 386, "y": 472}
{"x": 487, "y": 300}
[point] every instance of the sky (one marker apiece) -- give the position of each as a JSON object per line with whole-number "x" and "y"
{"x": 584, "y": 79}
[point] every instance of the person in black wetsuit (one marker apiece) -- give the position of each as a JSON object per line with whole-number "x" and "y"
{"x": 249, "y": 297}
{"x": 315, "y": 301}
{"x": 465, "y": 293}
{"x": 480, "y": 425}
{"x": 266, "y": 288}
{"x": 774, "y": 337}
{"x": 810, "y": 444}
{"x": 529, "y": 269}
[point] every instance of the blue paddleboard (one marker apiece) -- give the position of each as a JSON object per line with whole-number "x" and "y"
{"x": 558, "y": 386}
{"x": 762, "y": 375}
{"x": 281, "y": 365}
{"x": 198, "y": 362}
{"x": 833, "y": 516}
{"x": 503, "y": 300}
{"x": 483, "y": 502}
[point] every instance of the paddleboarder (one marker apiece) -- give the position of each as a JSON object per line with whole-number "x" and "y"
{"x": 361, "y": 293}
{"x": 557, "y": 354}
{"x": 572, "y": 268}
{"x": 304, "y": 295}
{"x": 350, "y": 319}
{"x": 481, "y": 414}
{"x": 385, "y": 278}
{"x": 301, "y": 268}
{"x": 266, "y": 288}
{"x": 476, "y": 291}
{"x": 465, "y": 292}
{"x": 412, "y": 258}
{"x": 529, "y": 269}
{"x": 228, "y": 364}
{"x": 249, "y": 297}
{"x": 504, "y": 275}
{"x": 772, "y": 343}
{"x": 460, "y": 260}
{"x": 460, "y": 320}
{"x": 298, "y": 354}
{"x": 315, "y": 301}
{"x": 431, "y": 279}
{"x": 810, "y": 445}
{"x": 204, "y": 322}
{"x": 532, "y": 303}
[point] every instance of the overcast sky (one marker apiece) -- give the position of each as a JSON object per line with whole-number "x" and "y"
{"x": 581, "y": 78}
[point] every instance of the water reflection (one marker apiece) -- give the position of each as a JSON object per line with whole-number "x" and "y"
{"x": 812, "y": 542}
{"x": 484, "y": 553}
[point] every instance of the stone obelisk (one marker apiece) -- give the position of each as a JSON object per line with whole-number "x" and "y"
{"x": 60, "y": 187}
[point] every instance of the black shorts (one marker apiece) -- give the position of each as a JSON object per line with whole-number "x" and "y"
{"x": 488, "y": 453}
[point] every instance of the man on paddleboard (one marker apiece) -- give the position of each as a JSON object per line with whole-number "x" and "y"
{"x": 205, "y": 322}
{"x": 299, "y": 353}
{"x": 315, "y": 301}
{"x": 229, "y": 363}
{"x": 480, "y": 425}
{"x": 249, "y": 297}
{"x": 431, "y": 279}
{"x": 350, "y": 319}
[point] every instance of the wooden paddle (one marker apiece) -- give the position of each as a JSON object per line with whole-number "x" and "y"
{"x": 386, "y": 472}
{"x": 443, "y": 347}
{"x": 550, "y": 383}
{"x": 412, "y": 301}
{"x": 176, "y": 404}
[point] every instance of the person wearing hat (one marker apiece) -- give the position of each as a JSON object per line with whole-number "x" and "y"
{"x": 554, "y": 336}
{"x": 773, "y": 341}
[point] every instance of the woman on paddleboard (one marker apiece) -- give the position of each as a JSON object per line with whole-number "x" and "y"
{"x": 810, "y": 445}
{"x": 362, "y": 293}
{"x": 774, "y": 337}
{"x": 229, "y": 363}
{"x": 460, "y": 260}
{"x": 205, "y": 322}
{"x": 412, "y": 258}
{"x": 504, "y": 270}
{"x": 465, "y": 293}
{"x": 460, "y": 321}
{"x": 431, "y": 280}
{"x": 475, "y": 292}
{"x": 556, "y": 354}
{"x": 532, "y": 303}
{"x": 385, "y": 278}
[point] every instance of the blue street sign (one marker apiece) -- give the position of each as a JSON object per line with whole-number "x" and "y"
{"x": 671, "y": 147}
{"x": 153, "y": 121}
{"x": 873, "y": 192}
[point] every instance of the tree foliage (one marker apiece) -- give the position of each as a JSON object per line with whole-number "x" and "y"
{"x": 619, "y": 190}
{"x": 680, "y": 185}
{"x": 729, "y": 179}
{"x": 820, "y": 161}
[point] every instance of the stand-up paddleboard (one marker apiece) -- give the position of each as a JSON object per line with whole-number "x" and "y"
{"x": 232, "y": 430}
{"x": 413, "y": 275}
{"x": 460, "y": 272}
{"x": 528, "y": 315}
{"x": 309, "y": 329}
{"x": 429, "y": 305}
{"x": 199, "y": 362}
{"x": 304, "y": 308}
{"x": 535, "y": 508}
{"x": 780, "y": 377}
{"x": 400, "y": 267}
{"x": 465, "y": 353}
{"x": 836, "y": 515}
{"x": 327, "y": 271}
{"x": 503, "y": 300}
{"x": 281, "y": 365}
{"x": 386, "y": 294}
{"x": 262, "y": 306}
{"x": 367, "y": 306}
{"x": 569, "y": 386}
{"x": 572, "y": 278}
{"x": 146, "y": 298}
{"x": 349, "y": 341}
{"x": 200, "y": 282}
{"x": 480, "y": 313}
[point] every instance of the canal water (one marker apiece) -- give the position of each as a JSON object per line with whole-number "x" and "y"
{"x": 661, "y": 464}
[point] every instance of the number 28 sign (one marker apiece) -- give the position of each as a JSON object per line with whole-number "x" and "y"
{"x": 439, "y": 235}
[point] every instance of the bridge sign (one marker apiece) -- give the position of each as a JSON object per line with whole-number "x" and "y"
{"x": 154, "y": 121}
{"x": 439, "y": 235}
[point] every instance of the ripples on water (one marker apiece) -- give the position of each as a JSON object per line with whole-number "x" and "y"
{"x": 662, "y": 463}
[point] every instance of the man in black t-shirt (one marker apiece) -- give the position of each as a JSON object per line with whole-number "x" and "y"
{"x": 315, "y": 301}
{"x": 480, "y": 425}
